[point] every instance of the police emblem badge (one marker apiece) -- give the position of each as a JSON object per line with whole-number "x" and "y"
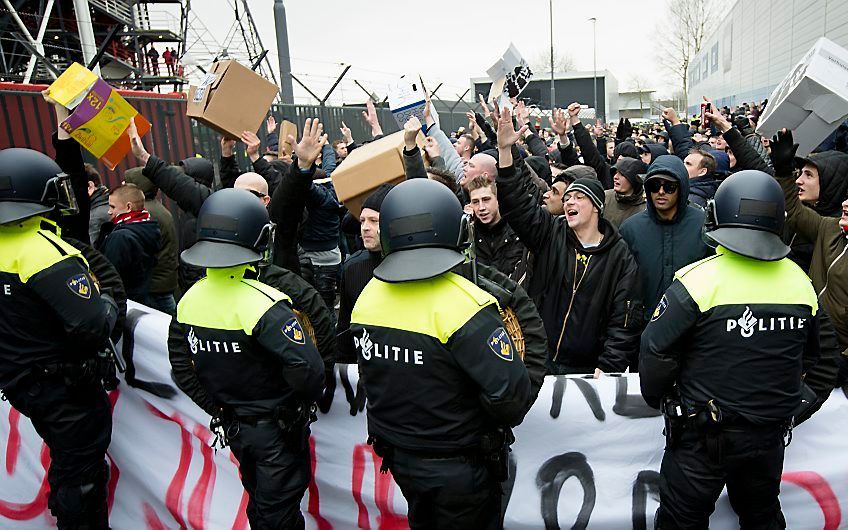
{"x": 500, "y": 344}
{"x": 293, "y": 331}
{"x": 661, "y": 307}
{"x": 80, "y": 286}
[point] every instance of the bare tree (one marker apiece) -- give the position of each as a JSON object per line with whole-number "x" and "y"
{"x": 563, "y": 62}
{"x": 687, "y": 27}
{"x": 639, "y": 85}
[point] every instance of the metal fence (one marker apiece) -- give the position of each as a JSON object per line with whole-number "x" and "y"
{"x": 208, "y": 144}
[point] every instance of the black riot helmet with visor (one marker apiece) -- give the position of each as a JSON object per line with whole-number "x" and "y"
{"x": 423, "y": 231}
{"x": 233, "y": 228}
{"x": 31, "y": 183}
{"x": 747, "y": 216}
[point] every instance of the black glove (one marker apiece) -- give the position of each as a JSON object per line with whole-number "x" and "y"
{"x": 783, "y": 152}
{"x": 628, "y": 128}
{"x": 620, "y": 132}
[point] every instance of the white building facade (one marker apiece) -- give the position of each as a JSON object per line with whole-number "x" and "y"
{"x": 757, "y": 44}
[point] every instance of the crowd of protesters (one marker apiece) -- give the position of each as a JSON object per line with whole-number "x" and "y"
{"x": 591, "y": 223}
{"x": 632, "y": 199}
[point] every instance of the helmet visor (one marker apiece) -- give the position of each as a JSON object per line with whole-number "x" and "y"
{"x": 59, "y": 193}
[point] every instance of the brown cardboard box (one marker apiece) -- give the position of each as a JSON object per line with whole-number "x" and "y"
{"x": 231, "y": 99}
{"x": 366, "y": 168}
{"x": 287, "y": 128}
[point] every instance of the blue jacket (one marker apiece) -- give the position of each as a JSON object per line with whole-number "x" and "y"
{"x": 662, "y": 247}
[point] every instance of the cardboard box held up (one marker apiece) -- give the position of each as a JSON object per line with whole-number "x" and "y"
{"x": 231, "y": 99}
{"x": 812, "y": 100}
{"x": 367, "y": 167}
{"x": 287, "y": 128}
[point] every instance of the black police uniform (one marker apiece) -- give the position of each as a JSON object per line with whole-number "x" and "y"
{"x": 238, "y": 350}
{"x": 735, "y": 334}
{"x": 54, "y": 321}
{"x": 443, "y": 380}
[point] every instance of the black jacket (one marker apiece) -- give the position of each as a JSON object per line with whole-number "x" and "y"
{"x": 189, "y": 195}
{"x": 132, "y": 248}
{"x": 357, "y": 271}
{"x": 662, "y": 247}
{"x": 702, "y": 189}
{"x": 498, "y": 246}
{"x": 590, "y": 321}
{"x": 440, "y": 386}
{"x": 722, "y": 332}
{"x": 305, "y": 299}
{"x": 252, "y": 359}
{"x": 50, "y": 308}
{"x": 591, "y": 156}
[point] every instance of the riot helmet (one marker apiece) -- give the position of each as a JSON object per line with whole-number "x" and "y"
{"x": 422, "y": 230}
{"x": 232, "y": 229}
{"x": 31, "y": 183}
{"x": 747, "y": 215}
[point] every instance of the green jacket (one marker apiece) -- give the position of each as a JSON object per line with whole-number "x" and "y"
{"x": 829, "y": 265}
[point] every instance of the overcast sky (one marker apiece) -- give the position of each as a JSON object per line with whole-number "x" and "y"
{"x": 447, "y": 41}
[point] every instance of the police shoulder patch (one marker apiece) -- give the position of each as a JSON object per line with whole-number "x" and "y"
{"x": 80, "y": 285}
{"x": 660, "y": 310}
{"x": 294, "y": 332}
{"x": 500, "y": 344}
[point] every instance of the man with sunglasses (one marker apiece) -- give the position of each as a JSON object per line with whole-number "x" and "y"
{"x": 667, "y": 235}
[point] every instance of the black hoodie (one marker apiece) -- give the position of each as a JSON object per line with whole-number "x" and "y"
{"x": 587, "y": 297}
{"x": 662, "y": 247}
{"x": 833, "y": 189}
{"x": 132, "y": 249}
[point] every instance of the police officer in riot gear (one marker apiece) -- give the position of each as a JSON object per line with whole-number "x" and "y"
{"x": 54, "y": 322}
{"x": 442, "y": 377}
{"x": 724, "y": 355}
{"x": 239, "y": 351}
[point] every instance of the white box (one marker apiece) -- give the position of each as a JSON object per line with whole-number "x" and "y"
{"x": 812, "y": 101}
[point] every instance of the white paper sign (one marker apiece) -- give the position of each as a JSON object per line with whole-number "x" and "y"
{"x": 406, "y": 99}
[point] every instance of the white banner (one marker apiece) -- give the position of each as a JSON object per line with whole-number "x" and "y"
{"x": 587, "y": 455}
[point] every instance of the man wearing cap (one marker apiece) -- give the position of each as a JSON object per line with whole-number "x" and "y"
{"x": 724, "y": 357}
{"x": 443, "y": 379}
{"x": 667, "y": 235}
{"x": 626, "y": 198}
{"x": 240, "y": 352}
{"x": 584, "y": 279}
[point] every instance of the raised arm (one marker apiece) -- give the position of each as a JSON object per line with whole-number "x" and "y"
{"x": 525, "y": 215}
{"x": 805, "y": 221}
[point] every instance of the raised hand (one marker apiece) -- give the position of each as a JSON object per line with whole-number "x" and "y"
{"x": 669, "y": 114}
{"x": 721, "y": 124}
{"x": 270, "y": 125}
{"x": 507, "y": 135}
{"x": 370, "y": 117}
{"x": 559, "y": 123}
{"x": 309, "y": 147}
{"x": 346, "y": 134}
{"x": 137, "y": 146}
{"x": 251, "y": 141}
{"x": 410, "y": 131}
{"x": 522, "y": 113}
{"x": 573, "y": 113}
{"x": 783, "y": 148}
{"x": 431, "y": 147}
{"x": 228, "y": 146}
